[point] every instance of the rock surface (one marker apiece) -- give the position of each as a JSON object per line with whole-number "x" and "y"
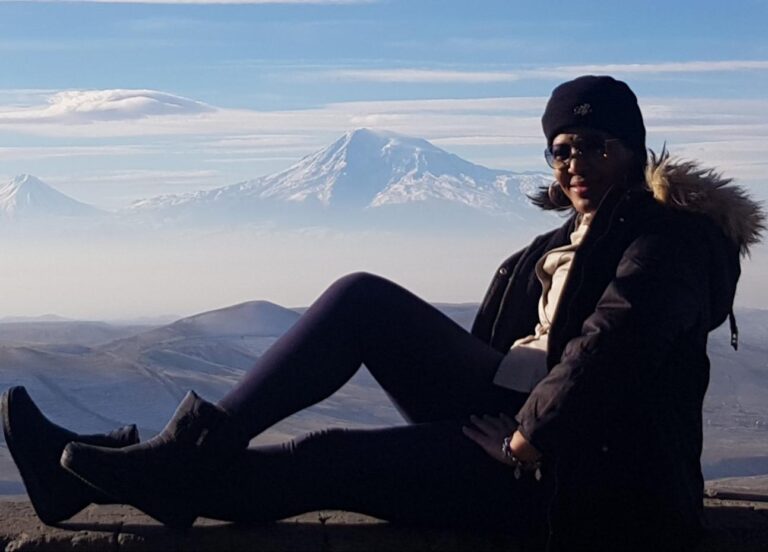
{"x": 734, "y": 525}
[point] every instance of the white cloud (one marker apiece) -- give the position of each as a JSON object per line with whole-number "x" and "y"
{"x": 667, "y": 67}
{"x": 504, "y": 132}
{"x": 89, "y": 106}
{"x": 744, "y": 159}
{"x": 194, "y": 1}
{"x": 460, "y": 76}
{"x": 141, "y": 175}
{"x": 144, "y": 114}
{"x": 261, "y": 142}
{"x": 488, "y": 140}
{"x": 127, "y": 113}
{"x": 720, "y": 111}
{"x": 51, "y": 152}
{"x": 423, "y": 75}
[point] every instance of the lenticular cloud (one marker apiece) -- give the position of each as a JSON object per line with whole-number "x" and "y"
{"x": 87, "y": 106}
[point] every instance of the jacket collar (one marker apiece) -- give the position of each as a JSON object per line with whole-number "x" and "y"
{"x": 687, "y": 186}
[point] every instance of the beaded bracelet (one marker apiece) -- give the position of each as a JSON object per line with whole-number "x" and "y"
{"x": 518, "y": 464}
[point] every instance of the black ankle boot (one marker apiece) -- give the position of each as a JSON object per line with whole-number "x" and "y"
{"x": 163, "y": 476}
{"x": 36, "y": 444}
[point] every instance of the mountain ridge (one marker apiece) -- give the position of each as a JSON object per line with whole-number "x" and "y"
{"x": 372, "y": 179}
{"x": 367, "y": 169}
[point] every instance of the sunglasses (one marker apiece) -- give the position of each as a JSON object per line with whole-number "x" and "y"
{"x": 560, "y": 155}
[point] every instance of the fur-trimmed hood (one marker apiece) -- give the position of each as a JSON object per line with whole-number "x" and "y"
{"x": 686, "y": 185}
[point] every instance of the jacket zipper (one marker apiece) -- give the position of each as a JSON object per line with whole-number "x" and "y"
{"x": 567, "y": 282}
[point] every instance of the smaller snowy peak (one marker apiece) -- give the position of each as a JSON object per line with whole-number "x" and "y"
{"x": 26, "y": 196}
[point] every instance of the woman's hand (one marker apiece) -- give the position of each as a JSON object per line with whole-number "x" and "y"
{"x": 489, "y": 432}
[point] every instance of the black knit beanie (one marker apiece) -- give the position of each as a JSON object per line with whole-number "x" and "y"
{"x": 602, "y": 103}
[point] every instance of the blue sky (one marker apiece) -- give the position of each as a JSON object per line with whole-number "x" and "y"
{"x": 280, "y": 80}
{"x": 113, "y": 102}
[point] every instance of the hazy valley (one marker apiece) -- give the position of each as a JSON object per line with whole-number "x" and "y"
{"x": 93, "y": 376}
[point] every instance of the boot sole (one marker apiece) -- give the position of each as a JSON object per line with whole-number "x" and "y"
{"x": 168, "y": 517}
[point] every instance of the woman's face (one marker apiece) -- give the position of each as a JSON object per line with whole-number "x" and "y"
{"x": 587, "y": 163}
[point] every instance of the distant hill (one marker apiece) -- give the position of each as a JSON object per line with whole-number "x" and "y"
{"x": 61, "y": 331}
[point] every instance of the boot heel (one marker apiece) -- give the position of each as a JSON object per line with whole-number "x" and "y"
{"x": 78, "y": 458}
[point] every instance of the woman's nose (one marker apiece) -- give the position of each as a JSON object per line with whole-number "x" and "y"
{"x": 575, "y": 164}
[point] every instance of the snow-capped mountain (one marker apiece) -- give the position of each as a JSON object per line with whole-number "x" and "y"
{"x": 27, "y": 197}
{"x": 372, "y": 169}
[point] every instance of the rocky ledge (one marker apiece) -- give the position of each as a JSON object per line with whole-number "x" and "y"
{"x": 735, "y": 523}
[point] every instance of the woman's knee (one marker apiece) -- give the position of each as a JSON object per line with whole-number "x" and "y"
{"x": 359, "y": 284}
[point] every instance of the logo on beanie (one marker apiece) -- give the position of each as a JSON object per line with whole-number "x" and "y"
{"x": 582, "y": 110}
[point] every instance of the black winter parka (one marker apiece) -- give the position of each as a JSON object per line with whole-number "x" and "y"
{"x": 618, "y": 418}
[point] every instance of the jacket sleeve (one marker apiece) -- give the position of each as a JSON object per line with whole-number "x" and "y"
{"x": 656, "y": 295}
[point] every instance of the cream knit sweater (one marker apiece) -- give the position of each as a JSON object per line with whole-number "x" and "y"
{"x": 526, "y": 362}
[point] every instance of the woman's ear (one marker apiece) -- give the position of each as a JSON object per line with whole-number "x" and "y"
{"x": 557, "y": 195}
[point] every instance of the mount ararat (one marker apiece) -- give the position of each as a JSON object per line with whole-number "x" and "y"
{"x": 366, "y": 169}
{"x": 365, "y": 177}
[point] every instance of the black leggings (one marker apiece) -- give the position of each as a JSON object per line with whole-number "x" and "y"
{"x": 435, "y": 372}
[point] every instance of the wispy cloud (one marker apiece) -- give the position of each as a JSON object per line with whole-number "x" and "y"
{"x": 410, "y": 75}
{"x": 117, "y": 113}
{"x": 89, "y": 106}
{"x": 52, "y": 152}
{"x": 144, "y": 113}
{"x": 193, "y": 1}
{"x": 139, "y": 175}
{"x": 499, "y": 132}
{"x": 742, "y": 158}
{"x": 667, "y": 67}
{"x": 423, "y": 75}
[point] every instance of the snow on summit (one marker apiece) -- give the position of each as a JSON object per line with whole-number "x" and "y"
{"x": 25, "y": 196}
{"x": 373, "y": 169}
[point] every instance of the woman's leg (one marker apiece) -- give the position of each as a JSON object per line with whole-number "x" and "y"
{"x": 431, "y": 367}
{"x": 427, "y": 474}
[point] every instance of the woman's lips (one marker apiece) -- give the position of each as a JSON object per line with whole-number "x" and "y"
{"x": 578, "y": 186}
